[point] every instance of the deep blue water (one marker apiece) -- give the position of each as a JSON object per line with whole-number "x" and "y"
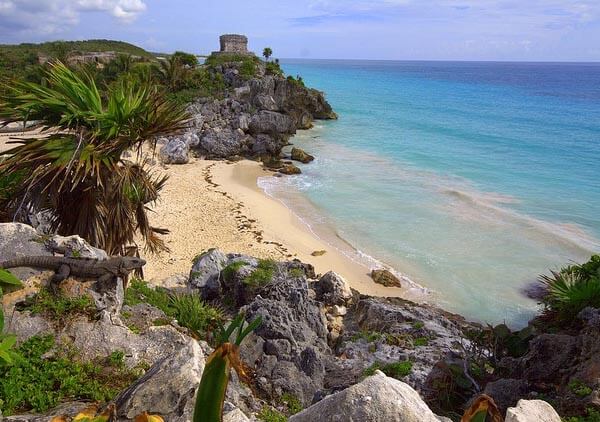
{"x": 470, "y": 178}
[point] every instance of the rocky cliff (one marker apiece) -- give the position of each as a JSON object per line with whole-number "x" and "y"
{"x": 255, "y": 118}
{"x": 321, "y": 346}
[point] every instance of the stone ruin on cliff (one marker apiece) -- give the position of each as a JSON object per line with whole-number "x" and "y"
{"x": 233, "y": 44}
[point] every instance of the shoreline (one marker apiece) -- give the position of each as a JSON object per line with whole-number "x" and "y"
{"x": 208, "y": 204}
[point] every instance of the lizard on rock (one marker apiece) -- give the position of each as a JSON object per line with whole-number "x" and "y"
{"x": 102, "y": 270}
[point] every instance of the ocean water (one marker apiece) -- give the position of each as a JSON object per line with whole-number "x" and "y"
{"x": 470, "y": 179}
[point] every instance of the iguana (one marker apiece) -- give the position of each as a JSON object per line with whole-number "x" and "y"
{"x": 102, "y": 270}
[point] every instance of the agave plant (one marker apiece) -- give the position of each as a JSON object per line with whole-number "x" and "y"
{"x": 571, "y": 289}
{"x": 76, "y": 170}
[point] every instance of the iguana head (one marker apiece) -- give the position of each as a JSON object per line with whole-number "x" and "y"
{"x": 131, "y": 263}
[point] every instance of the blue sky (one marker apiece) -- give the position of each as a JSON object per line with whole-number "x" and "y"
{"x": 554, "y": 30}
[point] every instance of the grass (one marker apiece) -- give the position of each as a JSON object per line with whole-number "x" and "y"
{"x": 268, "y": 414}
{"x": 229, "y": 271}
{"x": 59, "y": 308}
{"x": 396, "y": 370}
{"x": 292, "y": 403}
{"x": 186, "y": 308}
{"x": 579, "y": 388}
{"x": 263, "y": 274}
{"x": 296, "y": 272}
{"x": 420, "y": 341}
{"x": 38, "y": 383}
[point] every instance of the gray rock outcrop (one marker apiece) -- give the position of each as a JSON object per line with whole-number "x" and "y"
{"x": 175, "y": 151}
{"x": 532, "y": 411}
{"x": 376, "y": 399}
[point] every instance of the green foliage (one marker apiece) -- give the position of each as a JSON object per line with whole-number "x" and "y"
{"x": 579, "y": 388}
{"x": 571, "y": 289}
{"x": 296, "y": 272}
{"x": 292, "y": 403}
{"x": 417, "y": 325}
{"x": 79, "y": 173}
{"x": 229, "y": 271}
{"x": 296, "y": 81}
{"x": 273, "y": 68}
{"x": 420, "y": 341}
{"x": 7, "y": 342}
{"x": 9, "y": 279}
{"x": 267, "y": 52}
{"x": 268, "y": 414}
{"x": 185, "y": 59}
{"x": 37, "y": 383}
{"x": 591, "y": 415}
{"x": 263, "y": 274}
{"x": 245, "y": 63}
{"x": 57, "y": 307}
{"x": 138, "y": 292}
{"x": 194, "y": 314}
{"x": 369, "y": 336}
{"x": 396, "y": 370}
{"x": 213, "y": 384}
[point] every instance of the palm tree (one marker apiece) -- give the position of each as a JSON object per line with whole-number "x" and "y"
{"x": 172, "y": 73}
{"x": 267, "y": 52}
{"x": 76, "y": 171}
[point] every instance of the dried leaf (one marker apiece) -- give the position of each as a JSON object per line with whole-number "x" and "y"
{"x": 482, "y": 407}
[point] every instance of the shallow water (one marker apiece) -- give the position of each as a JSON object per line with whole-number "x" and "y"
{"x": 470, "y": 178}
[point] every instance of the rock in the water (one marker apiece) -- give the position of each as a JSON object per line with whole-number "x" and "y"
{"x": 376, "y": 399}
{"x": 168, "y": 388}
{"x": 289, "y": 169}
{"x": 176, "y": 151}
{"x": 532, "y": 411}
{"x": 205, "y": 273}
{"x": 299, "y": 155}
{"x": 385, "y": 277}
{"x": 332, "y": 289}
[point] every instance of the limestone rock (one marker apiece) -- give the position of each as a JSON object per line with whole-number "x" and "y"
{"x": 17, "y": 239}
{"x": 385, "y": 278}
{"x": 506, "y": 392}
{"x": 74, "y": 246}
{"x": 289, "y": 169}
{"x": 168, "y": 388}
{"x": 332, "y": 289}
{"x": 176, "y": 151}
{"x": 270, "y": 122}
{"x": 532, "y": 411}
{"x": 299, "y": 155}
{"x": 205, "y": 273}
{"x": 376, "y": 399}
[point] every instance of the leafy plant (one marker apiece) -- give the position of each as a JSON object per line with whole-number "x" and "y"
{"x": 263, "y": 274}
{"x": 213, "y": 384}
{"x": 396, "y": 370}
{"x": 229, "y": 271}
{"x": 57, "y": 307}
{"x": 268, "y": 414}
{"x": 571, "y": 289}
{"x": 7, "y": 278}
{"x": 191, "y": 312}
{"x": 7, "y": 342}
{"x": 267, "y": 52}
{"x": 591, "y": 415}
{"x": 579, "y": 388}
{"x": 76, "y": 170}
{"x": 483, "y": 409}
{"x": 292, "y": 403}
{"x": 36, "y": 382}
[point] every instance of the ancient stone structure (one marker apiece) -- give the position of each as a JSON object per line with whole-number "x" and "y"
{"x": 233, "y": 43}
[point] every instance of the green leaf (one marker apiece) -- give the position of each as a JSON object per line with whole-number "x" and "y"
{"x": 7, "y": 278}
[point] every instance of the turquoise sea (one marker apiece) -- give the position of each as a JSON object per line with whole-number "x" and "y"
{"x": 468, "y": 178}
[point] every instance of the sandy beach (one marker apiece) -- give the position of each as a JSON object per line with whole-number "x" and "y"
{"x": 209, "y": 204}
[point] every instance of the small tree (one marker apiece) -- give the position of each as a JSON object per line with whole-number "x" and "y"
{"x": 267, "y": 52}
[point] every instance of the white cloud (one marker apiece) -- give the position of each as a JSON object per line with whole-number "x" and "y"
{"x": 48, "y": 17}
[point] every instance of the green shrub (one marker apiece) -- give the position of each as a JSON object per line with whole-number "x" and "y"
{"x": 292, "y": 403}
{"x": 194, "y": 314}
{"x": 138, "y": 291}
{"x": 57, "y": 307}
{"x": 229, "y": 271}
{"x": 273, "y": 68}
{"x": 420, "y": 341}
{"x": 268, "y": 414}
{"x": 185, "y": 58}
{"x": 296, "y": 272}
{"x": 579, "y": 388}
{"x": 396, "y": 370}
{"x": 571, "y": 289}
{"x": 263, "y": 274}
{"x": 37, "y": 383}
{"x": 590, "y": 416}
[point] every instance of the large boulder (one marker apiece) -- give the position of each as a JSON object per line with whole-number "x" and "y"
{"x": 291, "y": 344}
{"x": 18, "y": 240}
{"x": 532, "y": 411}
{"x": 271, "y": 122}
{"x": 168, "y": 388}
{"x": 332, "y": 289}
{"x": 299, "y": 155}
{"x": 385, "y": 278}
{"x": 376, "y": 399}
{"x": 176, "y": 151}
{"x": 205, "y": 273}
